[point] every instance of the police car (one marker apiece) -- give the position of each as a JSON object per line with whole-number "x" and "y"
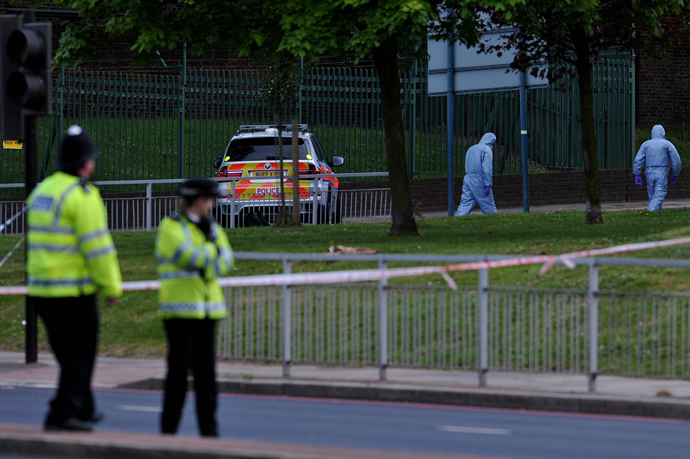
{"x": 251, "y": 167}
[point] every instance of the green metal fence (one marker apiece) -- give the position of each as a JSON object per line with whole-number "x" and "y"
{"x": 150, "y": 126}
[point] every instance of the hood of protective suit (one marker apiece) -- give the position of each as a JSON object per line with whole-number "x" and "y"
{"x": 490, "y": 138}
{"x": 658, "y": 132}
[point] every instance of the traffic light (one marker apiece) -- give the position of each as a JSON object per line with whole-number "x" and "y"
{"x": 30, "y": 85}
{"x": 11, "y": 118}
{"x": 25, "y": 71}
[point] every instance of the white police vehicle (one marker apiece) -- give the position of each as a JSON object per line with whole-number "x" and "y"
{"x": 249, "y": 173}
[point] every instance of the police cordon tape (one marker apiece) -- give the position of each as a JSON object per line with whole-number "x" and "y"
{"x": 9, "y": 254}
{"x": 12, "y": 218}
{"x": 362, "y": 275}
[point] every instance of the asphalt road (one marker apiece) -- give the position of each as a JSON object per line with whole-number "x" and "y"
{"x": 387, "y": 426}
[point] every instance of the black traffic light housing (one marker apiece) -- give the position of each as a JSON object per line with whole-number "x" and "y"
{"x": 11, "y": 119}
{"x": 25, "y": 73}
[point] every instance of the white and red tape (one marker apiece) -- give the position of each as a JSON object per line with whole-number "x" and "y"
{"x": 362, "y": 275}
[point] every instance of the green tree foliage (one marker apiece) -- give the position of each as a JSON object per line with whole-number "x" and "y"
{"x": 376, "y": 30}
{"x": 280, "y": 89}
{"x": 302, "y": 27}
{"x": 567, "y": 32}
{"x": 242, "y": 26}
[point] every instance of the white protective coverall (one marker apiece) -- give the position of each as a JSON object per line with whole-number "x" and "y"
{"x": 658, "y": 153}
{"x": 479, "y": 178}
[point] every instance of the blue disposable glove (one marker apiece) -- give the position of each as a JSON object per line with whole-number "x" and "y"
{"x": 487, "y": 191}
{"x": 638, "y": 180}
{"x": 674, "y": 179}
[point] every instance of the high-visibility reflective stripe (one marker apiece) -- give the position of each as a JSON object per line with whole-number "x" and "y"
{"x": 99, "y": 252}
{"x": 50, "y": 283}
{"x": 192, "y": 260}
{"x": 225, "y": 253}
{"x": 53, "y": 248}
{"x": 51, "y": 229}
{"x": 58, "y": 207}
{"x": 180, "y": 250}
{"x": 179, "y": 275}
{"x": 182, "y": 307}
{"x": 212, "y": 307}
{"x": 203, "y": 252}
{"x": 191, "y": 307}
{"x": 185, "y": 229}
{"x": 92, "y": 235}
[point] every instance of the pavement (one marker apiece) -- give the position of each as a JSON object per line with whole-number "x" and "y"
{"x": 669, "y": 204}
{"x": 614, "y": 395}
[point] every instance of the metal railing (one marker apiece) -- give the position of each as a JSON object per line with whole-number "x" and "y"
{"x": 478, "y": 327}
{"x": 145, "y": 210}
{"x": 152, "y": 126}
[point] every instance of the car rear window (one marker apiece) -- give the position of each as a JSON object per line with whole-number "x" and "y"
{"x": 263, "y": 148}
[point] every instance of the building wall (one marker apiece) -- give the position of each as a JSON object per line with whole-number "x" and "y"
{"x": 663, "y": 88}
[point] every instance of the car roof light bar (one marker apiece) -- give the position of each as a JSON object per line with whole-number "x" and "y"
{"x": 263, "y": 127}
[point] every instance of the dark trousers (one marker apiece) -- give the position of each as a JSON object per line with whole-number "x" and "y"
{"x": 72, "y": 325}
{"x": 190, "y": 346}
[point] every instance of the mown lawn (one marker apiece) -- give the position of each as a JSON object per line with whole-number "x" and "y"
{"x": 132, "y": 329}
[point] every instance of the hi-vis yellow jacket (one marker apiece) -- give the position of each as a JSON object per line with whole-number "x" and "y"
{"x": 70, "y": 251}
{"x": 189, "y": 267}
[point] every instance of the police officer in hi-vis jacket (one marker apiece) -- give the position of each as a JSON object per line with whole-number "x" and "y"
{"x": 192, "y": 252}
{"x": 70, "y": 259}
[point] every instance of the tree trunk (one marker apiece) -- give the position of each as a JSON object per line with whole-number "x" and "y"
{"x": 386, "y": 61}
{"x": 589, "y": 136}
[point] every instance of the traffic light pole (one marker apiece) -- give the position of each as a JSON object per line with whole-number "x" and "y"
{"x": 30, "y": 169}
{"x": 25, "y": 93}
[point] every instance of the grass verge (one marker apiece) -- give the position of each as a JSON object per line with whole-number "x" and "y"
{"x": 132, "y": 328}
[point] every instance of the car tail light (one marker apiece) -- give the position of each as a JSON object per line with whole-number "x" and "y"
{"x": 312, "y": 170}
{"x": 223, "y": 172}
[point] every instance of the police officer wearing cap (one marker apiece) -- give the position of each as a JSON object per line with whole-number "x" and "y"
{"x": 71, "y": 258}
{"x": 192, "y": 253}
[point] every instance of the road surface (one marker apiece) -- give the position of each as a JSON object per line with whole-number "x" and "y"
{"x": 386, "y": 426}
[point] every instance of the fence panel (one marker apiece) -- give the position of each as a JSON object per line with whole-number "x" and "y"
{"x": 8, "y": 209}
{"x": 431, "y": 327}
{"x": 151, "y": 126}
{"x": 141, "y": 210}
{"x": 252, "y": 329}
{"x": 645, "y": 334}
{"x": 541, "y": 330}
{"x": 530, "y": 329}
{"x": 334, "y": 324}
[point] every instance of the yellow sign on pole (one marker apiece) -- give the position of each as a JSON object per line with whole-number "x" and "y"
{"x": 12, "y": 144}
